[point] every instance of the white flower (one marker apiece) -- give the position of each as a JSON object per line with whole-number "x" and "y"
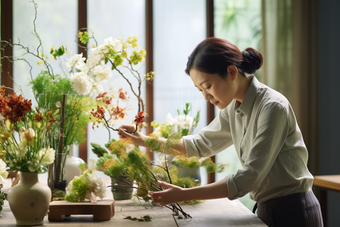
{"x": 184, "y": 122}
{"x": 101, "y": 72}
{"x": 116, "y": 44}
{"x": 80, "y": 83}
{"x": 96, "y": 185}
{"x": 3, "y": 172}
{"x": 91, "y": 181}
{"x": 46, "y": 155}
{"x": 21, "y": 151}
{"x": 169, "y": 119}
{"x": 94, "y": 59}
{"x": 33, "y": 166}
{"x": 76, "y": 61}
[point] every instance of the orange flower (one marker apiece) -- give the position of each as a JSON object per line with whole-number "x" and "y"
{"x": 101, "y": 98}
{"x": 122, "y": 95}
{"x": 99, "y": 114}
{"x": 140, "y": 117}
{"x": 14, "y": 107}
{"x": 118, "y": 112}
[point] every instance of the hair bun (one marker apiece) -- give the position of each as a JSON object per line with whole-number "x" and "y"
{"x": 252, "y": 60}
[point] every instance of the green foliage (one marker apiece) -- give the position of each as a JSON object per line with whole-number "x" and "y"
{"x": 166, "y": 130}
{"x": 108, "y": 144}
{"x": 82, "y": 166}
{"x": 117, "y": 169}
{"x": 85, "y": 37}
{"x": 58, "y": 195}
{"x": 191, "y": 202}
{"x": 144, "y": 218}
{"x": 58, "y": 52}
{"x": 153, "y": 143}
{"x": 186, "y": 182}
{"x": 49, "y": 93}
{"x": 3, "y": 197}
{"x": 189, "y": 163}
{"x": 119, "y": 147}
{"x": 98, "y": 150}
{"x": 79, "y": 190}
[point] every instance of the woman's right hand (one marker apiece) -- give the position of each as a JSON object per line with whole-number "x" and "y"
{"x": 126, "y": 131}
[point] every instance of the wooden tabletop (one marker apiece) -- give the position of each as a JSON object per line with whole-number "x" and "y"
{"x": 328, "y": 181}
{"x": 219, "y": 212}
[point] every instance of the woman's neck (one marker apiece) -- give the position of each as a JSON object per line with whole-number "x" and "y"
{"x": 243, "y": 85}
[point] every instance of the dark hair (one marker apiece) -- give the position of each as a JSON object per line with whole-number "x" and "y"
{"x": 214, "y": 55}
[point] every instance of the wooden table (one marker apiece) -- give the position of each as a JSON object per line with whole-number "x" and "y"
{"x": 219, "y": 212}
{"x": 325, "y": 183}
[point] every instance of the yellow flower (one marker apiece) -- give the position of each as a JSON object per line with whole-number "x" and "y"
{"x": 80, "y": 34}
{"x": 124, "y": 45}
{"x": 124, "y": 54}
{"x": 142, "y": 52}
{"x": 3, "y": 172}
{"x": 149, "y": 75}
{"x": 4, "y": 136}
{"x": 8, "y": 125}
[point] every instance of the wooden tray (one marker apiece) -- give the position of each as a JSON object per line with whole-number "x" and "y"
{"x": 103, "y": 210}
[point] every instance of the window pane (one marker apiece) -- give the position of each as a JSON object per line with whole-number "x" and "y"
{"x": 115, "y": 18}
{"x": 56, "y": 24}
{"x": 178, "y": 27}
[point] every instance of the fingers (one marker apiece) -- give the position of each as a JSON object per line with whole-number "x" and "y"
{"x": 123, "y": 134}
{"x": 157, "y": 197}
{"x": 164, "y": 185}
{"x": 126, "y": 130}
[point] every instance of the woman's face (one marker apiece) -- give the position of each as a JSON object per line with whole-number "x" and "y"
{"x": 218, "y": 91}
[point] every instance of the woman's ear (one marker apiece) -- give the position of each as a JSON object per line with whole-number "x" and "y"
{"x": 232, "y": 72}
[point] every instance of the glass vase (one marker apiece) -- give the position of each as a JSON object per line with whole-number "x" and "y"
{"x": 56, "y": 172}
{"x": 122, "y": 187}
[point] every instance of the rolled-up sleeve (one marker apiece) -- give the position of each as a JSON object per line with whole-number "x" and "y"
{"x": 271, "y": 131}
{"x": 212, "y": 139}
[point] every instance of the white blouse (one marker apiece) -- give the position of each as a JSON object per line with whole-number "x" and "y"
{"x": 268, "y": 142}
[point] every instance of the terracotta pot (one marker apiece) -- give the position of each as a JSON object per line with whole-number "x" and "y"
{"x": 29, "y": 200}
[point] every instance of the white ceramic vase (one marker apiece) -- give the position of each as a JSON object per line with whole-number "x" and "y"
{"x": 29, "y": 200}
{"x": 71, "y": 165}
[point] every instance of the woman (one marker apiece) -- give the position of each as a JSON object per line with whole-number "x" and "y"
{"x": 261, "y": 124}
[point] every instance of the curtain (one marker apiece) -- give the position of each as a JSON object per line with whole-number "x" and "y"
{"x": 290, "y": 49}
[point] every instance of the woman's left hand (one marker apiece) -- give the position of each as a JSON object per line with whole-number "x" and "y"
{"x": 170, "y": 194}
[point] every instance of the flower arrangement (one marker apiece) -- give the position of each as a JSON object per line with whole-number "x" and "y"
{"x": 24, "y": 143}
{"x": 86, "y": 186}
{"x": 183, "y": 123}
{"x": 119, "y": 54}
{"x": 77, "y": 97}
